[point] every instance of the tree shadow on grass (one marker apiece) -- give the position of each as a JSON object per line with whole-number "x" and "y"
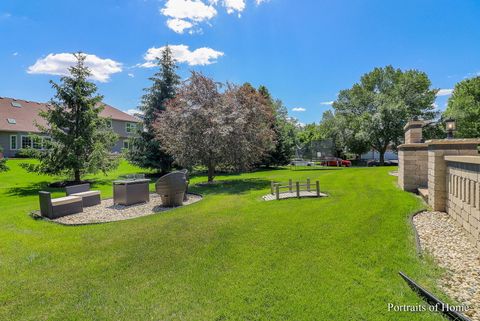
{"x": 317, "y": 169}
{"x": 239, "y": 186}
{"x": 32, "y": 189}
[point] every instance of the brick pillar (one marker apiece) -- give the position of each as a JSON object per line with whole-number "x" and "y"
{"x": 437, "y": 166}
{"x": 413, "y": 132}
{"x": 412, "y": 158}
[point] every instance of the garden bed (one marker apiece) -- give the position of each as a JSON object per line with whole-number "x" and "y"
{"x": 453, "y": 251}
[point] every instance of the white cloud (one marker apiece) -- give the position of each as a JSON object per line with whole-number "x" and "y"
{"x": 134, "y": 111}
{"x": 444, "y": 92}
{"x": 188, "y": 14}
{"x": 179, "y": 25}
{"x": 58, "y": 64}
{"x": 182, "y": 54}
{"x": 131, "y": 75}
{"x": 234, "y": 5}
{"x": 326, "y": 103}
{"x": 15, "y": 54}
{"x": 185, "y": 14}
{"x": 299, "y": 109}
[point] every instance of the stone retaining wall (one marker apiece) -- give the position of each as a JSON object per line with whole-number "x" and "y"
{"x": 463, "y": 193}
{"x": 438, "y": 149}
{"x": 449, "y": 169}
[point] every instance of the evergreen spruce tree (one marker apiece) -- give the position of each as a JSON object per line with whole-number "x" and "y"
{"x": 81, "y": 140}
{"x": 146, "y": 151}
{"x": 284, "y": 132}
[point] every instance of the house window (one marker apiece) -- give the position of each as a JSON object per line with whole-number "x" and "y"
{"x": 37, "y": 142}
{"x": 13, "y": 142}
{"x": 109, "y": 123}
{"x": 130, "y": 127}
{"x": 16, "y": 104}
{"x": 26, "y": 142}
{"x": 11, "y": 121}
{"x": 126, "y": 144}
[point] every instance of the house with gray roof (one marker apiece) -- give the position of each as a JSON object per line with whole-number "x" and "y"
{"x": 18, "y": 119}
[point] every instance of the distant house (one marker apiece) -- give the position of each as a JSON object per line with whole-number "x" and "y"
{"x": 390, "y": 154}
{"x": 18, "y": 119}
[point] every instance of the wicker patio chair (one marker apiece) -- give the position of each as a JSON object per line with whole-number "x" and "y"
{"x": 171, "y": 188}
{"x": 58, "y": 207}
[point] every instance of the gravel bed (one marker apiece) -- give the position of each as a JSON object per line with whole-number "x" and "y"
{"x": 452, "y": 250}
{"x": 107, "y": 212}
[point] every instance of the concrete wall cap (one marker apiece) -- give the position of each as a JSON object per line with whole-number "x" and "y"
{"x": 413, "y": 145}
{"x": 463, "y": 141}
{"x": 414, "y": 124}
{"x": 463, "y": 159}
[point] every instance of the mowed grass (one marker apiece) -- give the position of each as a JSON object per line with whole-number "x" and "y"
{"x": 231, "y": 256}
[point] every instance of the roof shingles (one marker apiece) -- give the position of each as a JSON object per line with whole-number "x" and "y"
{"x": 27, "y": 117}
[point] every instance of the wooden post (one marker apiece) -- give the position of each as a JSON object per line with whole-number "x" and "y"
{"x": 277, "y": 191}
{"x": 308, "y": 184}
{"x": 290, "y": 185}
{"x": 298, "y": 189}
{"x": 318, "y": 188}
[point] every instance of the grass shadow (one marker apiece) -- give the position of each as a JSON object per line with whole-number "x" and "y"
{"x": 32, "y": 189}
{"x": 240, "y": 186}
{"x": 311, "y": 169}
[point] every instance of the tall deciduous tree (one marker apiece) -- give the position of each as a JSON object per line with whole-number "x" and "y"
{"x": 81, "y": 140}
{"x": 382, "y": 102}
{"x": 146, "y": 150}
{"x": 464, "y": 106}
{"x": 227, "y": 130}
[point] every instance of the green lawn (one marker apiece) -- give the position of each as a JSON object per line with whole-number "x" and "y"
{"x": 229, "y": 257}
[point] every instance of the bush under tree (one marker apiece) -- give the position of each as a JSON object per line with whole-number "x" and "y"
{"x": 3, "y": 162}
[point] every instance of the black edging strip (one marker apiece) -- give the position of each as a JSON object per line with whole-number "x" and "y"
{"x": 418, "y": 245}
{"x": 434, "y": 301}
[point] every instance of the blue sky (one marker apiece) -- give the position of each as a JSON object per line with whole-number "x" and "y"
{"x": 303, "y": 51}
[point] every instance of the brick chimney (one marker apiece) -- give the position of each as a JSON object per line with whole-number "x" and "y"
{"x": 413, "y": 132}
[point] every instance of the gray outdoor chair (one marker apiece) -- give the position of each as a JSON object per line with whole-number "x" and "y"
{"x": 171, "y": 188}
{"x": 58, "y": 207}
{"x": 90, "y": 198}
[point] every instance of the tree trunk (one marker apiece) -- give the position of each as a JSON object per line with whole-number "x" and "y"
{"x": 382, "y": 157}
{"x": 77, "y": 175}
{"x": 211, "y": 173}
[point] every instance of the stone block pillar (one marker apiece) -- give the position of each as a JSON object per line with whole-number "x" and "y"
{"x": 413, "y": 132}
{"x": 437, "y": 166}
{"x": 412, "y": 158}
